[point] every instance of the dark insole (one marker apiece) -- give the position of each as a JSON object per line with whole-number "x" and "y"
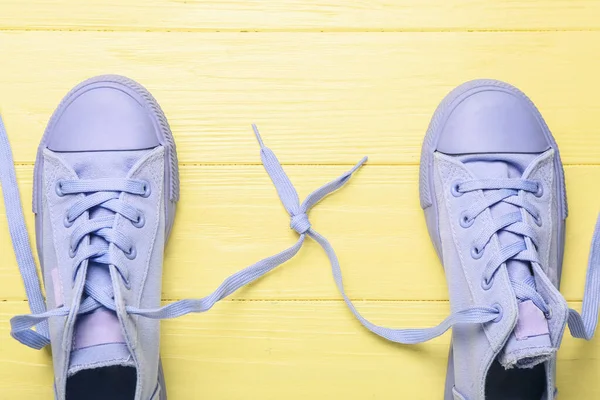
{"x": 115, "y": 383}
{"x": 515, "y": 383}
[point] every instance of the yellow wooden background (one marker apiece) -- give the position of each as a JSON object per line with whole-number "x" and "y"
{"x": 327, "y": 81}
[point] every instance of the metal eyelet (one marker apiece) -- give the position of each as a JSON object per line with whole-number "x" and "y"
{"x": 465, "y": 221}
{"x": 487, "y": 284}
{"x": 548, "y": 314}
{"x": 476, "y": 253}
{"x": 538, "y": 220}
{"x": 67, "y": 223}
{"x": 498, "y": 307}
{"x": 140, "y": 222}
{"x": 454, "y": 189}
{"x": 72, "y": 252}
{"x": 540, "y": 189}
{"x": 132, "y": 253}
{"x": 58, "y": 188}
{"x": 147, "y": 189}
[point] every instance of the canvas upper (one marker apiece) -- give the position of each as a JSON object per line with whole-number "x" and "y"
{"x": 525, "y": 336}
{"x": 493, "y": 191}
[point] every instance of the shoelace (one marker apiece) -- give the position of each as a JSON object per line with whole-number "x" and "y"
{"x": 507, "y": 191}
{"x": 22, "y": 326}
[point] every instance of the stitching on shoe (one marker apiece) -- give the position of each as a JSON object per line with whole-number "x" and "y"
{"x": 157, "y": 177}
{"x": 446, "y": 169}
{"x": 47, "y": 186}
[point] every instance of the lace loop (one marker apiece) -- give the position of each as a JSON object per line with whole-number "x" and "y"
{"x": 20, "y": 239}
{"x": 584, "y": 325}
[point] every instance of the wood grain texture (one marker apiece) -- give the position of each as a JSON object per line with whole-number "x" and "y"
{"x": 318, "y": 98}
{"x": 230, "y": 217}
{"x": 293, "y": 350}
{"x": 299, "y": 15}
{"x": 327, "y": 82}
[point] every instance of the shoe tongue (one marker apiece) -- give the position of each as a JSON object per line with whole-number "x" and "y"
{"x": 98, "y": 339}
{"x": 100, "y": 356}
{"x": 529, "y": 344}
{"x": 102, "y": 164}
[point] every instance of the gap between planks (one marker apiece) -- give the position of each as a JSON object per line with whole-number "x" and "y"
{"x": 300, "y": 30}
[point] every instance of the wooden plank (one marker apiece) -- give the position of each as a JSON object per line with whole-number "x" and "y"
{"x": 230, "y": 217}
{"x": 294, "y": 350}
{"x": 299, "y": 15}
{"x": 319, "y": 99}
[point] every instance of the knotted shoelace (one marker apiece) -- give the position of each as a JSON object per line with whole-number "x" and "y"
{"x": 22, "y": 326}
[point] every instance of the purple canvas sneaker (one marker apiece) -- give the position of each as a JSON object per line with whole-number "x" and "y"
{"x": 493, "y": 191}
{"x": 105, "y": 189}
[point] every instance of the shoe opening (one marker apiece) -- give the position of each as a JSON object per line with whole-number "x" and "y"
{"x": 515, "y": 383}
{"x": 115, "y": 382}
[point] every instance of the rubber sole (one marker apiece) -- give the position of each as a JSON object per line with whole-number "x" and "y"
{"x": 165, "y": 138}
{"x": 426, "y": 180}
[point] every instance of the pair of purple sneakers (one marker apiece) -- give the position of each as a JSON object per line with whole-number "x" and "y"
{"x": 105, "y": 190}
